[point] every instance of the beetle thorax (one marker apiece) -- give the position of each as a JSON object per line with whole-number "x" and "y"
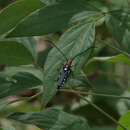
{"x": 68, "y": 63}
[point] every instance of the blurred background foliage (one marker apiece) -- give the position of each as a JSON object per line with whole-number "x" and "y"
{"x": 108, "y": 76}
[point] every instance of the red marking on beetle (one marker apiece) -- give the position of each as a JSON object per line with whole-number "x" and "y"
{"x": 68, "y": 63}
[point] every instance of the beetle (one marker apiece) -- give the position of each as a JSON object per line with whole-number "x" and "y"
{"x": 66, "y": 69}
{"x": 64, "y": 74}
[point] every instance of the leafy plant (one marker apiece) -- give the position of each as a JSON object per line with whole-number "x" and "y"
{"x": 95, "y": 95}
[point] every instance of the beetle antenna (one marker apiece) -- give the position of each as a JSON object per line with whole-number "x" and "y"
{"x": 57, "y": 49}
{"x": 82, "y": 52}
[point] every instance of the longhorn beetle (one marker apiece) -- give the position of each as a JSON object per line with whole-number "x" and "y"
{"x": 66, "y": 69}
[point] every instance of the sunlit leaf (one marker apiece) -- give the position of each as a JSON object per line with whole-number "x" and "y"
{"x": 125, "y": 120}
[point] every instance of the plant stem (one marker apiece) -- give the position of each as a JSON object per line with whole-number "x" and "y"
{"x": 25, "y": 98}
{"x": 94, "y": 94}
{"x": 103, "y": 112}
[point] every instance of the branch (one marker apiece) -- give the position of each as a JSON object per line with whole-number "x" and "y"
{"x": 94, "y": 94}
{"x": 25, "y": 98}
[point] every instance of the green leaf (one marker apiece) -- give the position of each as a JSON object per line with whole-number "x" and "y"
{"x": 118, "y": 58}
{"x": 124, "y": 105}
{"x": 42, "y": 55}
{"x": 104, "y": 85}
{"x": 10, "y": 71}
{"x": 10, "y": 85}
{"x": 121, "y": 29}
{"x": 93, "y": 116}
{"x": 75, "y": 40}
{"x": 51, "y": 119}
{"x": 51, "y": 18}
{"x": 14, "y": 53}
{"x": 29, "y": 43}
{"x": 8, "y": 128}
{"x": 125, "y": 120}
{"x": 78, "y": 79}
{"x": 10, "y": 16}
{"x": 26, "y": 107}
{"x": 3, "y": 104}
{"x": 85, "y": 15}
